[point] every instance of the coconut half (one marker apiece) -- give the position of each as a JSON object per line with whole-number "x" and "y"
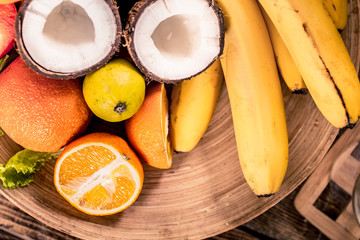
{"x": 172, "y": 40}
{"x": 67, "y": 39}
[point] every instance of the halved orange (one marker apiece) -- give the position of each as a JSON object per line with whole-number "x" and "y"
{"x": 148, "y": 129}
{"x": 99, "y": 174}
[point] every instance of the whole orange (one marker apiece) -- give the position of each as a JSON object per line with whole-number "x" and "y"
{"x": 40, "y": 113}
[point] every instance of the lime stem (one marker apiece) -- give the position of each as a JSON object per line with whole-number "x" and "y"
{"x": 120, "y": 108}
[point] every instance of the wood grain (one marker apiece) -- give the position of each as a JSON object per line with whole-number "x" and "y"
{"x": 15, "y": 224}
{"x": 281, "y": 222}
{"x": 340, "y": 167}
{"x": 204, "y": 193}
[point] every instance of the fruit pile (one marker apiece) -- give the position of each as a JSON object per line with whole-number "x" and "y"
{"x": 163, "y": 87}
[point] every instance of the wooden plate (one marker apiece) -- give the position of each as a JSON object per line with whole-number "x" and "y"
{"x": 204, "y": 193}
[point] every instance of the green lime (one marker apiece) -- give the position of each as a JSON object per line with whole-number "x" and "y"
{"x": 114, "y": 92}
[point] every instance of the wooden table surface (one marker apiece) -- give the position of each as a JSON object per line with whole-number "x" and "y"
{"x": 280, "y": 222}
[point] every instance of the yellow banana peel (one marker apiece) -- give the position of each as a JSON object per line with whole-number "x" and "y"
{"x": 320, "y": 55}
{"x": 192, "y": 106}
{"x": 255, "y": 95}
{"x": 286, "y": 64}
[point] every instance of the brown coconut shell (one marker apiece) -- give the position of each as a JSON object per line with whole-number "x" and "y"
{"x": 134, "y": 15}
{"x": 60, "y": 75}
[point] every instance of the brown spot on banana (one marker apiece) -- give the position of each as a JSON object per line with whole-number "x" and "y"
{"x": 339, "y": 94}
{"x": 305, "y": 29}
{"x": 349, "y": 125}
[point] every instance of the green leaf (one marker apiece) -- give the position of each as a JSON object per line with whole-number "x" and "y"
{"x": 20, "y": 169}
{"x": 12, "y": 179}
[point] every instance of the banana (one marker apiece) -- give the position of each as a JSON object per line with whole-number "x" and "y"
{"x": 338, "y": 11}
{"x": 255, "y": 95}
{"x": 286, "y": 64}
{"x": 321, "y": 57}
{"x": 192, "y": 106}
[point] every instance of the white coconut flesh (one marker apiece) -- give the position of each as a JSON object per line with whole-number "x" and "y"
{"x": 175, "y": 39}
{"x": 68, "y": 36}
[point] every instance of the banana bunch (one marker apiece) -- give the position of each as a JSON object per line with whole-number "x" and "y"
{"x": 337, "y": 10}
{"x": 321, "y": 56}
{"x": 300, "y": 38}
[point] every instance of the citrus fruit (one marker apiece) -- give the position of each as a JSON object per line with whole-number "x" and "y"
{"x": 99, "y": 174}
{"x": 147, "y": 130}
{"x": 114, "y": 92}
{"x": 40, "y": 113}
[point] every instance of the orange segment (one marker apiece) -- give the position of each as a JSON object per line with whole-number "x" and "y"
{"x": 90, "y": 163}
{"x": 147, "y": 130}
{"x": 99, "y": 174}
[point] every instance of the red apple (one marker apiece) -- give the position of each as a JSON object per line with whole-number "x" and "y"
{"x": 7, "y": 31}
